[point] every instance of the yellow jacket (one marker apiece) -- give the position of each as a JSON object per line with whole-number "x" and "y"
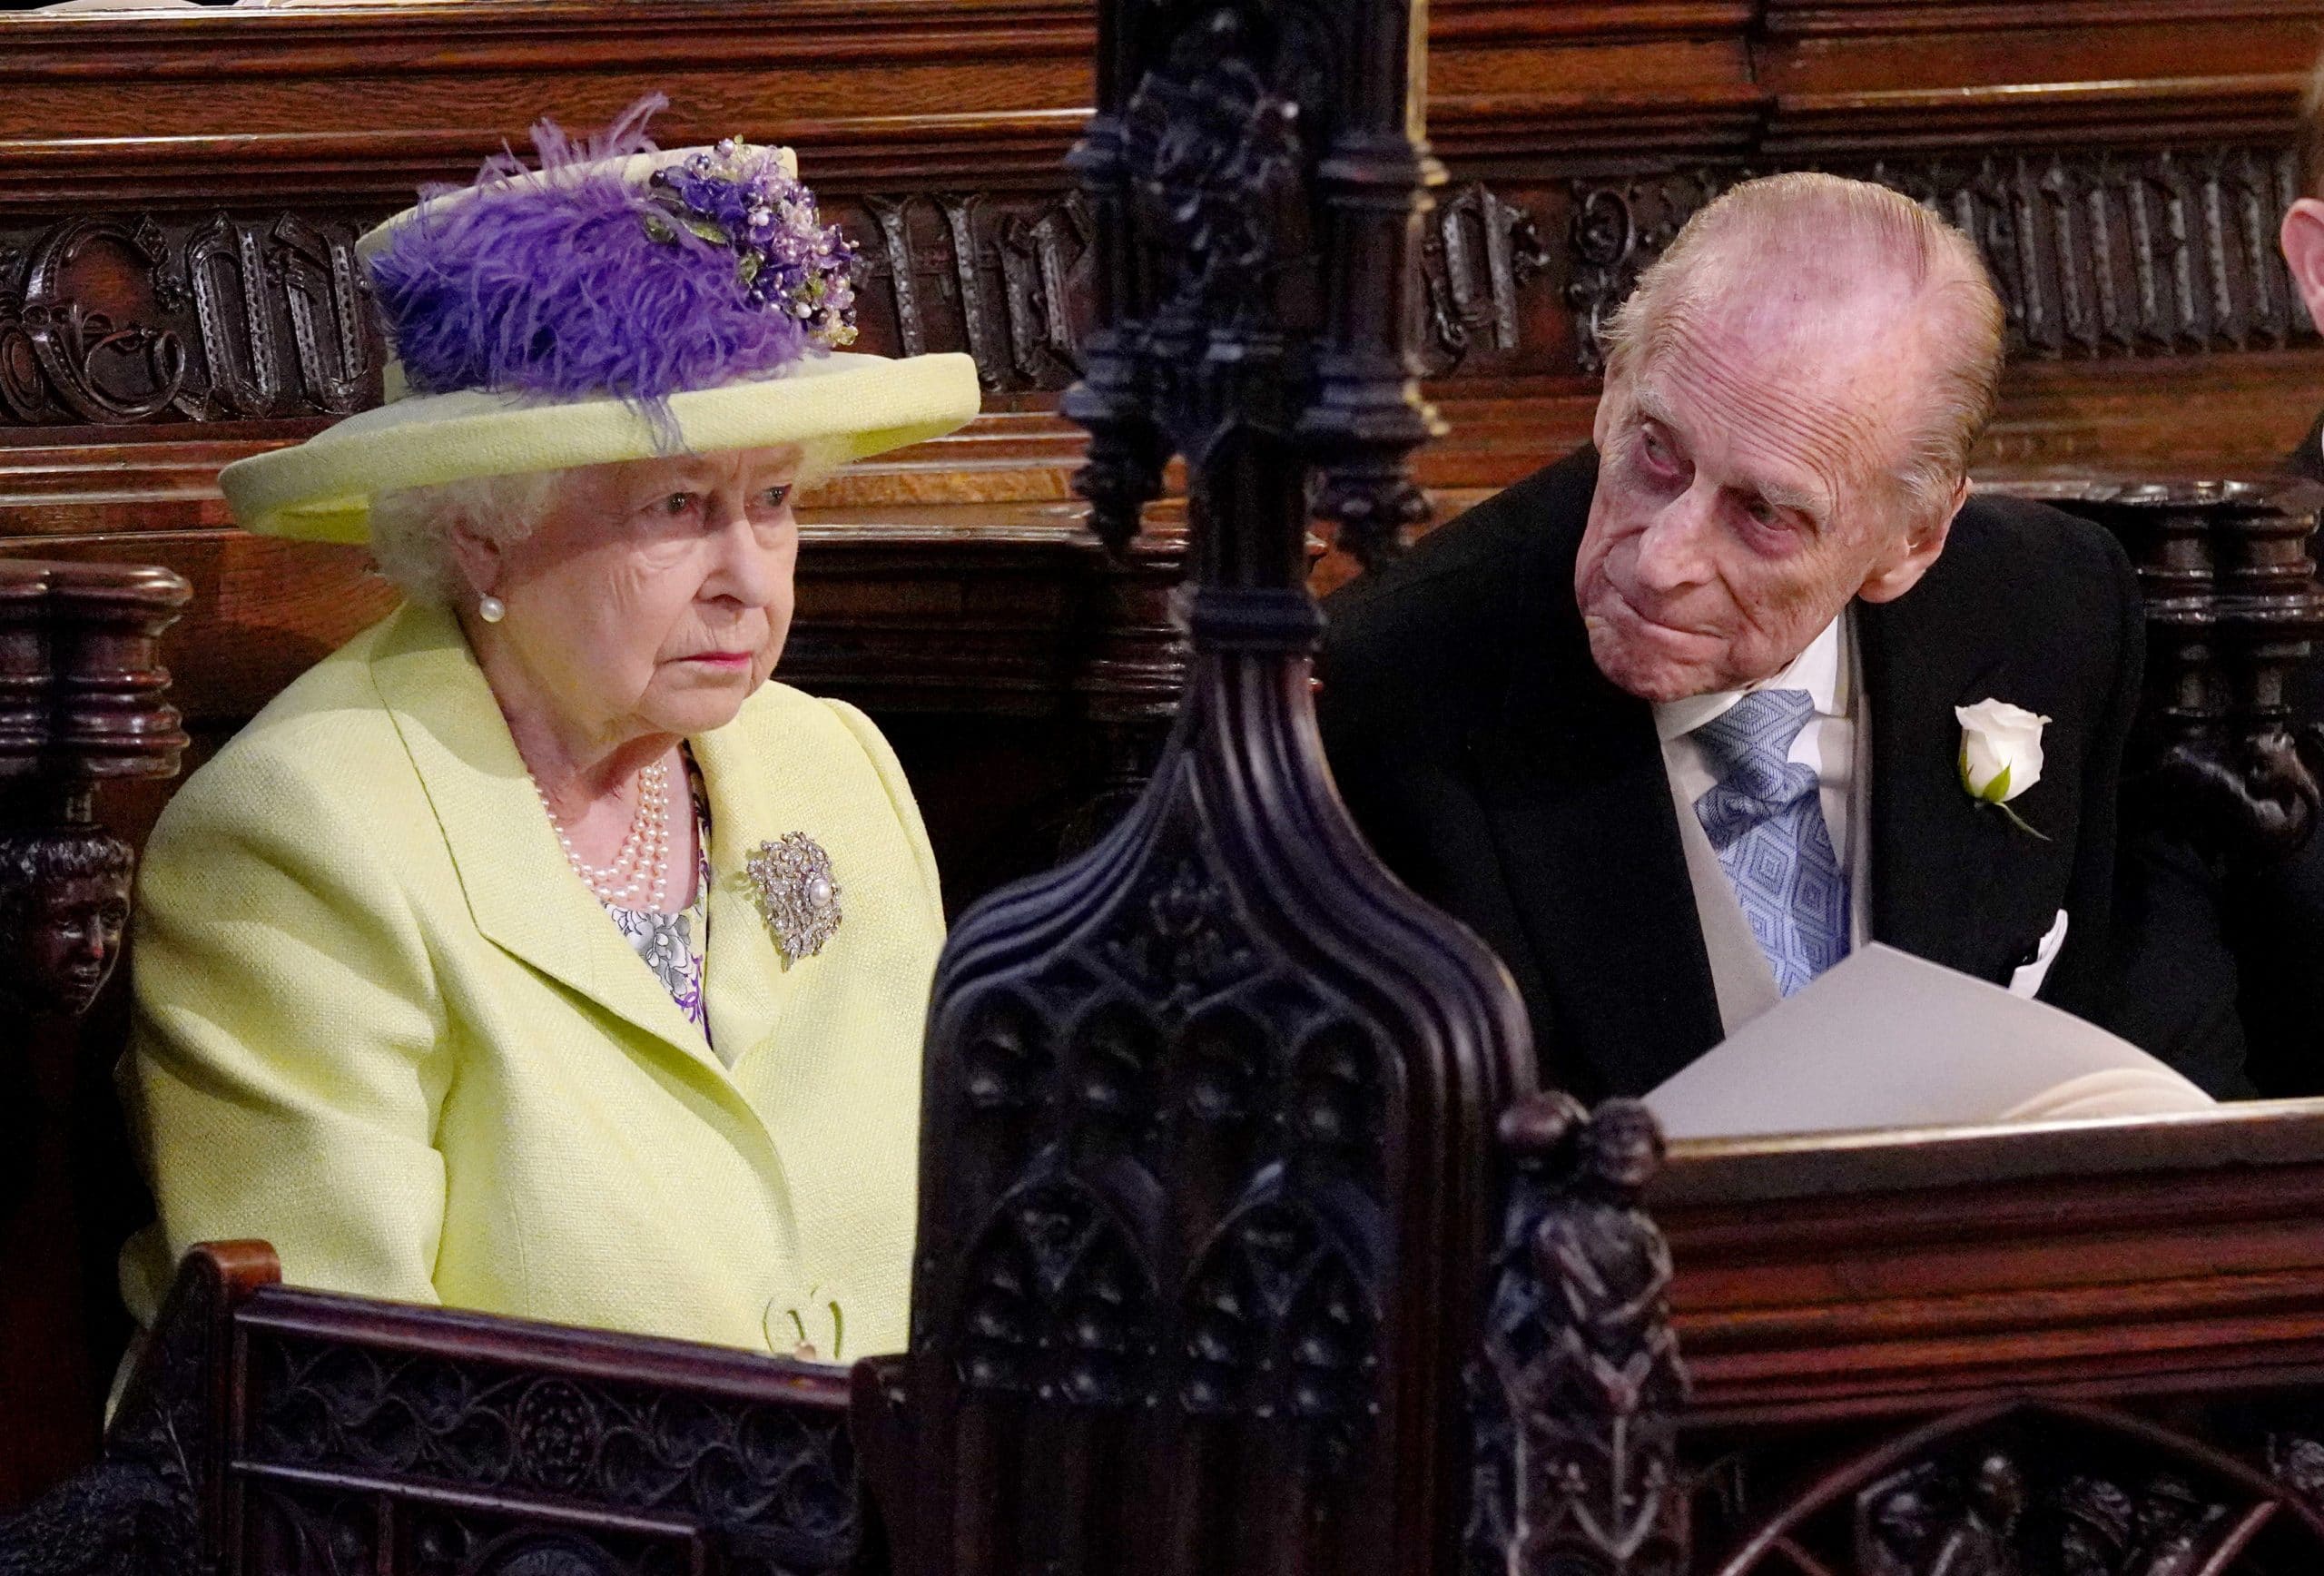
{"x": 382, "y": 1025}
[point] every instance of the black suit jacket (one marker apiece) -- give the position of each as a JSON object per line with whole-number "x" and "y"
{"x": 2223, "y": 962}
{"x": 1504, "y": 778}
{"x": 2275, "y": 915}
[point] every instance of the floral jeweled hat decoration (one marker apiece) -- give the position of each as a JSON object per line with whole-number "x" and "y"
{"x": 578, "y": 279}
{"x": 787, "y": 260}
{"x": 617, "y": 302}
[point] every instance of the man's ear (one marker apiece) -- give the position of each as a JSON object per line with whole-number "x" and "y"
{"x": 1611, "y": 400}
{"x": 2303, "y": 239}
{"x": 1910, "y": 559}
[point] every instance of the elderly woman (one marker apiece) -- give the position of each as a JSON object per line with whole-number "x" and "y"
{"x": 532, "y": 952}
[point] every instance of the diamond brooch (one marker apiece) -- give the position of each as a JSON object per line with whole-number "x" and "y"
{"x": 791, "y": 878}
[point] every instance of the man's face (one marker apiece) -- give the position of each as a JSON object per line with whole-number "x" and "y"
{"x": 1746, "y": 493}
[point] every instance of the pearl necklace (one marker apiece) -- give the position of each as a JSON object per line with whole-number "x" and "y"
{"x": 642, "y": 867}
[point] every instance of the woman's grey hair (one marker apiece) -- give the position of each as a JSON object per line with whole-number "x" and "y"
{"x": 412, "y": 529}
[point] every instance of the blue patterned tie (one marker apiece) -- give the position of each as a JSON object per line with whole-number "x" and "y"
{"x": 1766, "y": 821}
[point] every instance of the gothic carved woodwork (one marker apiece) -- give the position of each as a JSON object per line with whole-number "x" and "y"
{"x": 133, "y": 318}
{"x": 268, "y": 1430}
{"x": 81, "y": 703}
{"x": 1578, "y": 1392}
{"x": 116, "y": 319}
{"x": 2101, "y": 253}
{"x": 999, "y": 277}
{"x": 1207, "y": 1160}
{"x": 156, "y": 1499}
{"x": 1007, "y": 278}
{"x": 2234, "y": 607}
{"x": 2040, "y": 1488}
{"x": 1481, "y": 256}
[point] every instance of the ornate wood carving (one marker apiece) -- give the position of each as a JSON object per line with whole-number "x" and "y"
{"x": 2043, "y": 1488}
{"x": 1001, "y": 274}
{"x": 2096, "y": 253}
{"x": 413, "y": 1445}
{"x": 1205, "y": 1155}
{"x": 114, "y": 318}
{"x": 1483, "y": 253}
{"x": 81, "y": 703}
{"x": 268, "y": 1430}
{"x": 2043, "y": 1352}
{"x": 118, "y": 318}
{"x": 2234, "y": 607}
{"x": 1578, "y": 1395}
{"x": 155, "y": 1502}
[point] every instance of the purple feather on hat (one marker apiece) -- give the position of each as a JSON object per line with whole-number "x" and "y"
{"x": 575, "y": 284}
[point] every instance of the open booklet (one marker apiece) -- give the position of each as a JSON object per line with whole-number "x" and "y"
{"x": 1886, "y": 1040}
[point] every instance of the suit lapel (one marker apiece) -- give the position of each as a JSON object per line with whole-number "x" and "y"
{"x": 747, "y": 988}
{"x": 521, "y": 892}
{"x": 1941, "y": 862}
{"x": 1573, "y": 781}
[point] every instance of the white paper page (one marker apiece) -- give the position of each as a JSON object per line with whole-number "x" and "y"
{"x": 1886, "y": 1040}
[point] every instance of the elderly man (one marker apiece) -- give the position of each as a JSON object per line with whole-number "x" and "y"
{"x": 1679, "y": 720}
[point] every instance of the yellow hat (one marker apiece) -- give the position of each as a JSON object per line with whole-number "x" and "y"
{"x": 699, "y": 282}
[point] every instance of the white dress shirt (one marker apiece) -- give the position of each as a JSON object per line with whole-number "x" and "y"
{"x": 1833, "y": 745}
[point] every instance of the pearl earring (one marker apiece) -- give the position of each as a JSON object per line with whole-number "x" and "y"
{"x": 491, "y": 609}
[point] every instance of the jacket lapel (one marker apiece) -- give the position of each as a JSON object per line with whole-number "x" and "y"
{"x": 521, "y": 892}
{"x": 1941, "y": 860}
{"x": 747, "y": 988}
{"x": 1573, "y": 781}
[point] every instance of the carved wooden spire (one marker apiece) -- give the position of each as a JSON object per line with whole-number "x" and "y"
{"x": 1207, "y": 1168}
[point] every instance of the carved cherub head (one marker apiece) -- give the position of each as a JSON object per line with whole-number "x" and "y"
{"x": 63, "y": 902}
{"x": 1610, "y": 1152}
{"x": 1625, "y": 1147}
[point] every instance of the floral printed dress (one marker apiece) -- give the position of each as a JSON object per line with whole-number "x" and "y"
{"x": 674, "y": 945}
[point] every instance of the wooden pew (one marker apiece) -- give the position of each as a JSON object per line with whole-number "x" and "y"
{"x": 273, "y": 1430}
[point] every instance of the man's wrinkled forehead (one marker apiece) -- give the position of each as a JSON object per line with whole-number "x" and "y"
{"x": 1780, "y": 382}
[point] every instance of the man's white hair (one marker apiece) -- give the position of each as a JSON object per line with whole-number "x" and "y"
{"x": 1873, "y": 238}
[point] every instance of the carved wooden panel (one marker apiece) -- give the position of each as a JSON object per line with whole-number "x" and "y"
{"x": 2040, "y": 1488}
{"x": 271, "y": 1432}
{"x": 118, "y": 318}
{"x": 2234, "y": 610}
{"x": 2096, "y": 253}
{"x": 2093, "y": 1349}
{"x": 412, "y": 1446}
{"x": 1578, "y": 1390}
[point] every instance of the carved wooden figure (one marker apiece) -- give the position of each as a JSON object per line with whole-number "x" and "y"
{"x": 80, "y": 702}
{"x": 1577, "y": 1393}
{"x": 1207, "y": 1178}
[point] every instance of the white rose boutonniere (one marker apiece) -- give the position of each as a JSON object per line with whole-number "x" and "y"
{"x": 2001, "y": 753}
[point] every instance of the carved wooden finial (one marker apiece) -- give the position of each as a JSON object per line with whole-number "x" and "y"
{"x": 1576, "y": 1398}
{"x": 81, "y": 702}
{"x": 2233, "y": 609}
{"x": 1207, "y": 1169}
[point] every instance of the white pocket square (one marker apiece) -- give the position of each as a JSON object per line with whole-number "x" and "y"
{"x": 2028, "y": 978}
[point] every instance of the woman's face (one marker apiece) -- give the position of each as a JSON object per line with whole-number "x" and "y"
{"x": 655, "y": 596}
